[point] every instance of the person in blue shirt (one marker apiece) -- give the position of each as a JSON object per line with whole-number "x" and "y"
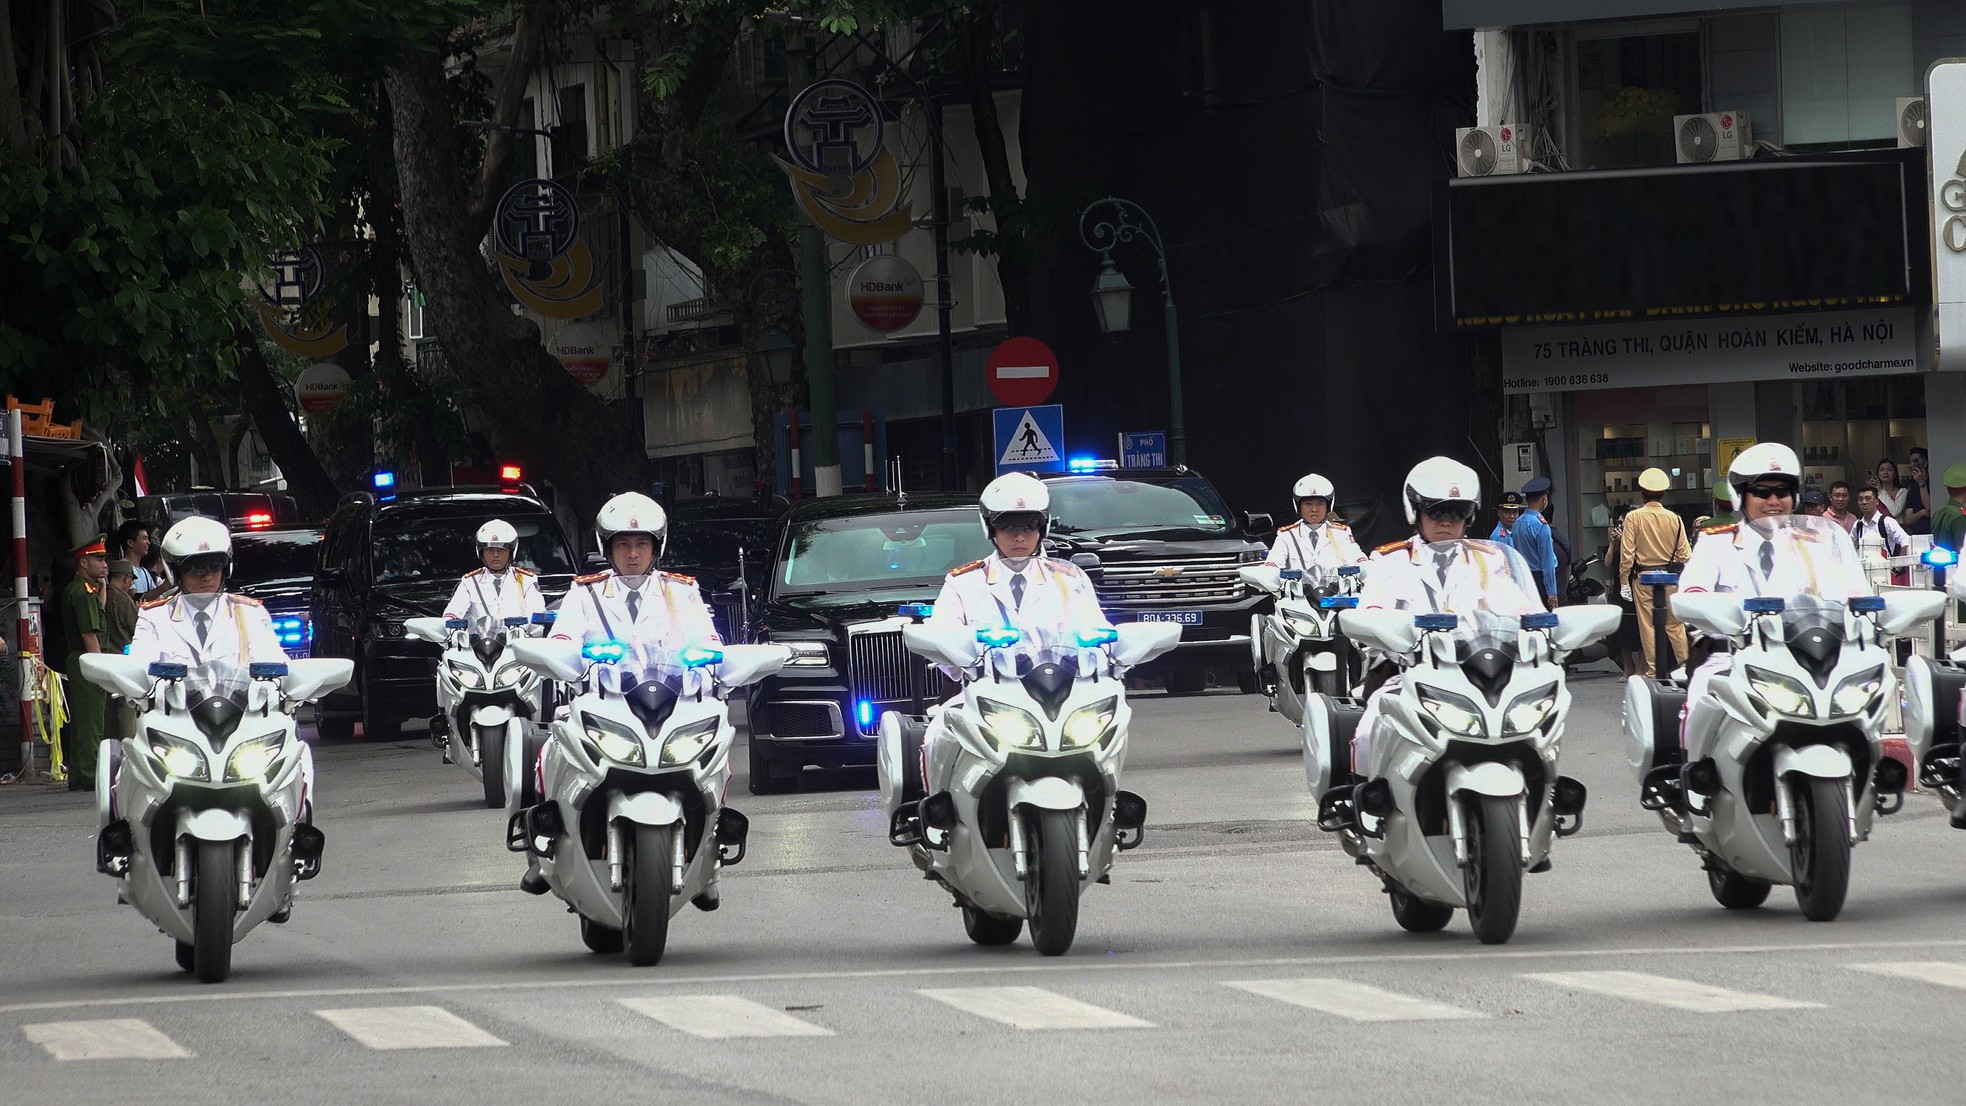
{"x": 1531, "y": 537}
{"x": 1508, "y": 510}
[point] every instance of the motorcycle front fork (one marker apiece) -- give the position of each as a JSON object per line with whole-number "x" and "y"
{"x": 1020, "y": 849}
{"x": 1457, "y": 827}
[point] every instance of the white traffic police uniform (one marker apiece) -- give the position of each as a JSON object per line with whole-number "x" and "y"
{"x": 236, "y": 628}
{"x": 513, "y": 593}
{"x": 1055, "y": 595}
{"x": 665, "y": 610}
{"x": 1328, "y": 545}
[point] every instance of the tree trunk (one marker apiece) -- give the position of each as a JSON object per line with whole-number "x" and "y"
{"x": 13, "y": 126}
{"x": 975, "y": 35}
{"x": 261, "y": 394}
{"x": 534, "y": 411}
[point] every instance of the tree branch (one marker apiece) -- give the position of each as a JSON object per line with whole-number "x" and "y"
{"x": 260, "y": 391}
{"x": 528, "y": 42}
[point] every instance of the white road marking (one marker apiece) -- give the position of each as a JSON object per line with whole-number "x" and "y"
{"x": 1033, "y": 1008}
{"x": 104, "y": 1039}
{"x": 719, "y": 1016}
{"x": 1660, "y": 990}
{"x": 395, "y": 1027}
{"x": 1358, "y": 1002}
{"x": 1939, "y": 972}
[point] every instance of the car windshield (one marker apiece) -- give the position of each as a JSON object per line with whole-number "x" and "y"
{"x": 715, "y": 541}
{"x": 448, "y": 547}
{"x": 872, "y": 551}
{"x": 287, "y": 557}
{"x": 1108, "y": 505}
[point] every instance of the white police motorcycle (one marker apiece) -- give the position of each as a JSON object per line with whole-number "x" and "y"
{"x": 1022, "y": 807}
{"x": 205, "y": 818}
{"x": 1461, "y": 794}
{"x": 485, "y": 696}
{"x": 1935, "y": 707}
{"x": 1796, "y": 771}
{"x": 630, "y": 824}
{"x": 1299, "y": 642}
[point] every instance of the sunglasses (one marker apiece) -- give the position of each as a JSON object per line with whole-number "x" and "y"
{"x": 1018, "y": 526}
{"x": 1451, "y": 511}
{"x": 1771, "y": 491}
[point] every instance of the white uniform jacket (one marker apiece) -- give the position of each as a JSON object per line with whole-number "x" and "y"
{"x": 1728, "y": 560}
{"x": 513, "y": 593}
{"x": 671, "y": 612}
{"x": 1057, "y": 596}
{"x": 1404, "y": 577}
{"x": 1329, "y": 546}
{"x": 240, "y": 630}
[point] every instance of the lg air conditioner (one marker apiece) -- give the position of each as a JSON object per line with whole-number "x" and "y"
{"x": 1715, "y": 136}
{"x": 1911, "y": 121}
{"x": 1491, "y": 151}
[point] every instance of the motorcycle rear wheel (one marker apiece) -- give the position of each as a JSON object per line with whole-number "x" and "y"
{"x": 1493, "y": 877}
{"x": 1736, "y": 891}
{"x": 1416, "y": 915}
{"x": 599, "y": 938}
{"x": 1821, "y": 852}
{"x": 645, "y": 911}
{"x": 1051, "y": 885}
{"x": 990, "y": 929}
{"x": 491, "y": 764}
{"x": 214, "y": 897}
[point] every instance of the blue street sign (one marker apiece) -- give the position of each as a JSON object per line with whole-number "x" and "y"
{"x": 1030, "y": 439}
{"x": 1146, "y": 450}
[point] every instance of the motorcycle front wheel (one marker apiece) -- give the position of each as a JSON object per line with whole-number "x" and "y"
{"x": 491, "y": 764}
{"x": 645, "y": 909}
{"x": 1051, "y": 882}
{"x": 1492, "y": 880}
{"x": 214, "y": 899}
{"x": 1821, "y": 852}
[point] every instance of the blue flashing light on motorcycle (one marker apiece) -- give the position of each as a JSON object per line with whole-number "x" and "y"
{"x": 1337, "y": 602}
{"x": 1658, "y": 579}
{"x": 267, "y": 670}
{"x": 455, "y": 623}
{"x": 1765, "y": 604}
{"x": 1104, "y": 635}
{"x": 544, "y": 618}
{"x": 604, "y": 652}
{"x": 700, "y": 656}
{"x": 1436, "y": 621}
{"x": 1291, "y": 574}
{"x": 1544, "y": 621}
{"x": 516, "y": 620}
{"x": 1348, "y": 570}
{"x": 1940, "y": 557}
{"x": 999, "y": 637}
{"x": 168, "y": 670}
{"x": 1867, "y": 604}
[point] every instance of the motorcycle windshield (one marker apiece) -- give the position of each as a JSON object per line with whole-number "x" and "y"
{"x": 1485, "y": 633}
{"x": 216, "y": 694}
{"x": 486, "y": 637}
{"x": 645, "y": 665}
{"x": 1040, "y": 646}
{"x": 1808, "y": 557}
{"x": 1476, "y": 576}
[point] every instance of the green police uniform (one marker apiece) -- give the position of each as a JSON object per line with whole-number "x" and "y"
{"x": 81, "y": 613}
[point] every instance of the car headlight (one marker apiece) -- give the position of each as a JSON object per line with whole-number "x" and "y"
{"x": 180, "y": 759}
{"x": 1529, "y": 711}
{"x": 254, "y": 759}
{"x": 1857, "y": 694}
{"x": 1011, "y": 727}
{"x": 1090, "y": 725}
{"x": 808, "y": 654}
{"x": 1782, "y": 694}
{"x": 616, "y": 743}
{"x": 510, "y": 675}
{"x": 466, "y": 676}
{"x": 689, "y": 742}
{"x": 1455, "y": 713}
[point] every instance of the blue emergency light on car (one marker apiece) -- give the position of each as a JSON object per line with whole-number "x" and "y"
{"x": 864, "y": 711}
{"x": 1765, "y": 604}
{"x": 915, "y": 610}
{"x": 544, "y": 618}
{"x": 999, "y": 637}
{"x": 1940, "y": 557}
{"x": 1103, "y": 635}
{"x": 267, "y": 670}
{"x": 290, "y": 629}
{"x": 699, "y": 656}
{"x": 1337, "y": 602}
{"x": 1082, "y": 464}
{"x": 1544, "y": 621}
{"x": 605, "y": 652}
{"x": 1868, "y": 604}
{"x": 383, "y": 480}
{"x": 168, "y": 670}
{"x": 1436, "y": 621}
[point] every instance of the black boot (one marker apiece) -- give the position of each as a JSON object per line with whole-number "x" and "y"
{"x": 532, "y": 883}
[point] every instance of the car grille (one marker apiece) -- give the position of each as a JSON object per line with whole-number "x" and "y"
{"x": 1169, "y": 582}
{"x": 882, "y": 672}
{"x": 802, "y": 720}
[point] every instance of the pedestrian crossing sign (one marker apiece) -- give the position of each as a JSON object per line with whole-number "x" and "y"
{"x": 1030, "y": 439}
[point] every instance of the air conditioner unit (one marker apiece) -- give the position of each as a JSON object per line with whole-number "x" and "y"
{"x": 1715, "y": 136}
{"x": 1491, "y": 151}
{"x": 1911, "y": 121}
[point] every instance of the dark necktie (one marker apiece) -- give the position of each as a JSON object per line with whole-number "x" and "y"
{"x": 1017, "y": 590}
{"x": 1767, "y": 559}
{"x": 203, "y": 622}
{"x": 1441, "y": 560}
{"x": 498, "y": 585}
{"x": 1313, "y": 536}
{"x": 634, "y": 605}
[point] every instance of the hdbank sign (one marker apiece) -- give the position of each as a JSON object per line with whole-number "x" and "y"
{"x": 1945, "y": 102}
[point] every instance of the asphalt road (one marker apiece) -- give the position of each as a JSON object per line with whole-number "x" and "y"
{"x": 1238, "y": 957}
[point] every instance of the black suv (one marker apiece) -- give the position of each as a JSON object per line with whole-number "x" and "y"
{"x": 844, "y": 566}
{"x": 383, "y": 561}
{"x": 276, "y": 566}
{"x": 706, "y": 538}
{"x": 1161, "y": 545}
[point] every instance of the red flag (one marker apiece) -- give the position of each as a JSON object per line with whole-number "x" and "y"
{"x": 137, "y": 479}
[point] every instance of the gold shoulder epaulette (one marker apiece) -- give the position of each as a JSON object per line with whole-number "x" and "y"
{"x": 158, "y": 602}
{"x": 1721, "y": 528}
{"x": 679, "y": 577}
{"x": 246, "y": 599}
{"x": 1339, "y": 525}
{"x": 1066, "y": 567}
{"x": 1390, "y": 546}
{"x": 1288, "y": 526}
{"x": 970, "y": 567}
{"x": 474, "y": 572}
{"x": 524, "y": 571}
{"x": 591, "y": 578}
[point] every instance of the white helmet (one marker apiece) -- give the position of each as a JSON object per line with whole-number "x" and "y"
{"x": 1439, "y": 480}
{"x": 1770, "y": 459}
{"x": 1016, "y": 493}
{"x": 1312, "y": 486}
{"x": 497, "y": 532}
{"x": 197, "y": 538}
{"x": 632, "y": 513}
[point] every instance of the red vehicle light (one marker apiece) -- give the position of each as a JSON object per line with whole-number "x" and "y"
{"x": 509, "y": 474}
{"x": 258, "y": 520}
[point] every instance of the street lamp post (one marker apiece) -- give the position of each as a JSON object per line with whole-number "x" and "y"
{"x": 1111, "y": 222}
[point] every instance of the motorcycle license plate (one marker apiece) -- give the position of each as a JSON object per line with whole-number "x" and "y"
{"x": 1185, "y": 618}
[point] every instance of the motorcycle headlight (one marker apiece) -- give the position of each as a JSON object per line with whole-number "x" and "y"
{"x": 1858, "y": 693}
{"x": 252, "y": 761}
{"x": 180, "y": 759}
{"x": 466, "y": 676}
{"x": 689, "y": 742}
{"x": 1529, "y": 711}
{"x": 1011, "y": 727}
{"x": 510, "y": 675}
{"x": 1455, "y": 713}
{"x": 1781, "y": 694}
{"x": 616, "y": 743}
{"x": 1091, "y": 725}
{"x": 1302, "y": 627}
{"x": 807, "y": 654}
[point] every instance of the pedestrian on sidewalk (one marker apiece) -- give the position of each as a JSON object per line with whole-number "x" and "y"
{"x": 83, "y": 624}
{"x": 119, "y": 611}
{"x": 1949, "y": 522}
{"x": 1654, "y": 541}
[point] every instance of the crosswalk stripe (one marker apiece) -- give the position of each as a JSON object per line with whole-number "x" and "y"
{"x": 396, "y": 1027}
{"x": 104, "y": 1039}
{"x": 1942, "y": 973}
{"x": 1661, "y": 990}
{"x": 1032, "y": 1008}
{"x": 1358, "y": 1002}
{"x": 719, "y": 1016}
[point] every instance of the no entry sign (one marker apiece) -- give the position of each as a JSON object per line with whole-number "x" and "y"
{"x": 1023, "y": 372}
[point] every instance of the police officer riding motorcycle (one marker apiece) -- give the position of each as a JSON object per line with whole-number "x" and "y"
{"x": 1311, "y": 570}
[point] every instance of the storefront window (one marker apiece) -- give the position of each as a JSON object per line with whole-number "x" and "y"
{"x": 1628, "y": 89}
{"x": 1848, "y": 426}
{"x": 1621, "y": 433}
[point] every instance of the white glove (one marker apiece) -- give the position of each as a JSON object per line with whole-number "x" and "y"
{"x": 1625, "y": 593}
